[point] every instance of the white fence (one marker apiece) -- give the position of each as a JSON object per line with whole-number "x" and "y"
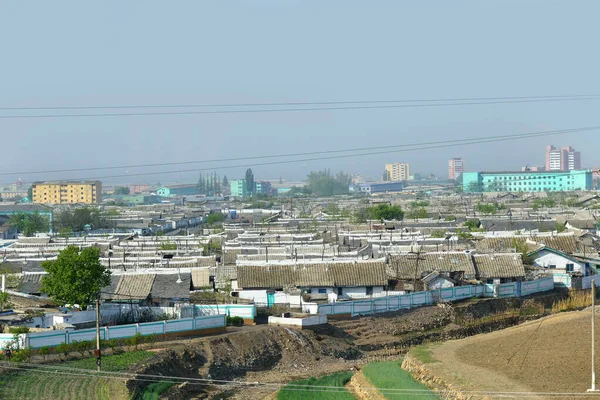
{"x": 393, "y": 303}
{"x": 247, "y": 311}
{"x": 54, "y": 338}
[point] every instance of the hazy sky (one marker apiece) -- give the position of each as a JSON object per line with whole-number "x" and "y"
{"x": 73, "y": 53}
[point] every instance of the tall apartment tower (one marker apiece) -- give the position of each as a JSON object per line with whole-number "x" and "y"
{"x": 456, "y": 167}
{"x": 398, "y": 171}
{"x": 563, "y": 159}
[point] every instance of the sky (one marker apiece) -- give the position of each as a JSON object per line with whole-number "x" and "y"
{"x": 113, "y": 53}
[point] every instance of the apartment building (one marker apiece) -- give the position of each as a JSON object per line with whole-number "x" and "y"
{"x": 86, "y": 192}
{"x": 397, "y": 172}
{"x": 528, "y": 181}
{"x": 456, "y": 167}
{"x": 563, "y": 159}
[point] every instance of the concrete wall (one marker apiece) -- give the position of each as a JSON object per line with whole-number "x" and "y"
{"x": 299, "y": 322}
{"x": 54, "y": 338}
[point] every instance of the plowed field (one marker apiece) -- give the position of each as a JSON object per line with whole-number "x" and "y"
{"x": 551, "y": 355}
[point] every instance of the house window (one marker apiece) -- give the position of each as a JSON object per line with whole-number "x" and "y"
{"x": 340, "y": 291}
{"x": 369, "y": 290}
{"x": 322, "y": 291}
{"x": 570, "y": 267}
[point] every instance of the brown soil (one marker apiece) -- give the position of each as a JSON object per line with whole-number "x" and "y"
{"x": 360, "y": 387}
{"x": 548, "y": 355}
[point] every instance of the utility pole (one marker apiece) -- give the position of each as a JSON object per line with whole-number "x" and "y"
{"x": 593, "y": 389}
{"x": 98, "y": 356}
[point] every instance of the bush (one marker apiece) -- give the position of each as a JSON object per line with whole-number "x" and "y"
{"x": 17, "y": 330}
{"x": 21, "y": 355}
{"x": 438, "y": 233}
{"x": 44, "y": 351}
{"x": 135, "y": 340}
{"x": 64, "y": 348}
{"x": 235, "y": 321}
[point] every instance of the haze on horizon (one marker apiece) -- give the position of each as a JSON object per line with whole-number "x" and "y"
{"x": 131, "y": 53}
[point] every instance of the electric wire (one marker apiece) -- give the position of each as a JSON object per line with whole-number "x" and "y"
{"x": 407, "y": 146}
{"x": 292, "y": 387}
{"x": 297, "y": 109}
{"x": 301, "y": 103}
{"x": 246, "y": 165}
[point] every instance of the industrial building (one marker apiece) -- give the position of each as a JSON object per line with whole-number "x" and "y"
{"x": 527, "y": 181}
{"x": 85, "y": 192}
{"x": 375, "y": 188}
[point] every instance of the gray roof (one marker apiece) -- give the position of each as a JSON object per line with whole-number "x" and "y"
{"x": 135, "y": 287}
{"x": 405, "y": 266}
{"x": 166, "y": 287}
{"x": 10, "y": 208}
{"x": 347, "y": 274}
{"x": 499, "y": 266}
{"x": 31, "y": 283}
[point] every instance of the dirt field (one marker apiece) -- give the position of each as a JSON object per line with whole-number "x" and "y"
{"x": 548, "y": 355}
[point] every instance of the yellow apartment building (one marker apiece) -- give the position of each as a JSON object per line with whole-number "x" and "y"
{"x": 397, "y": 171}
{"x": 87, "y": 192}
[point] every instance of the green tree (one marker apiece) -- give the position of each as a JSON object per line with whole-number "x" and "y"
{"x": 323, "y": 183}
{"x": 385, "y": 212}
{"x": 30, "y": 223}
{"x": 201, "y": 185}
{"x": 4, "y": 301}
{"x": 122, "y": 190}
{"x": 417, "y": 213}
{"x": 75, "y": 277}
{"x": 215, "y": 218}
{"x": 76, "y": 219}
{"x": 250, "y": 181}
{"x": 30, "y": 193}
{"x": 386, "y": 176}
{"x": 225, "y": 181}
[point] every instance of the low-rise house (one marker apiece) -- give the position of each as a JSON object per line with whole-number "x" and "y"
{"x": 410, "y": 268}
{"x": 159, "y": 290}
{"x": 275, "y": 283}
{"x": 499, "y": 268}
{"x": 435, "y": 280}
{"x": 556, "y": 261}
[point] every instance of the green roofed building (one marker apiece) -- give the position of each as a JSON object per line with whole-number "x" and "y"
{"x": 527, "y": 181}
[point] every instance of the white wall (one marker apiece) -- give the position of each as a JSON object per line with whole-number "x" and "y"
{"x": 259, "y": 296}
{"x": 546, "y": 258}
{"x": 439, "y": 282}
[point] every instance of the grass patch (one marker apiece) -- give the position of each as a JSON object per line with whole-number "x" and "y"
{"x": 307, "y": 389}
{"x": 423, "y": 354}
{"x": 35, "y": 384}
{"x": 154, "y": 390}
{"x": 389, "y": 375}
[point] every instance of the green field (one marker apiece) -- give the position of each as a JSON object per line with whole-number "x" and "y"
{"x": 308, "y": 389}
{"x": 61, "y": 385}
{"x": 389, "y": 375}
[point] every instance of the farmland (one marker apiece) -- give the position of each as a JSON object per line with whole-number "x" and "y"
{"x": 523, "y": 358}
{"x": 34, "y": 384}
{"x": 308, "y": 389}
{"x": 389, "y": 375}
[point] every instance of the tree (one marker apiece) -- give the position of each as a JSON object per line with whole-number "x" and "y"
{"x": 250, "y": 181}
{"x": 386, "y": 176}
{"x": 30, "y": 223}
{"x": 385, "y": 212}
{"x": 30, "y": 193}
{"x": 201, "y": 185}
{"x": 122, "y": 190}
{"x": 75, "y": 277}
{"x": 77, "y": 218}
{"x": 225, "y": 181}
{"x": 323, "y": 183}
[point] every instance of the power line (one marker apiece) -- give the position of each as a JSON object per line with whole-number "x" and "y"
{"x": 297, "y": 109}
{"x": 413, "y": 147}
{"x": 69, "y": 371}
{"x": 541, "y": 133}
{"x": 443, "y": 145}
{"x": 303, "y": 103}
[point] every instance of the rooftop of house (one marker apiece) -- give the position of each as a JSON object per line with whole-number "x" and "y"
{"x": 350, "y": 274}
{"x": 407, "y": 266}
{"x": 499, "y": 266}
